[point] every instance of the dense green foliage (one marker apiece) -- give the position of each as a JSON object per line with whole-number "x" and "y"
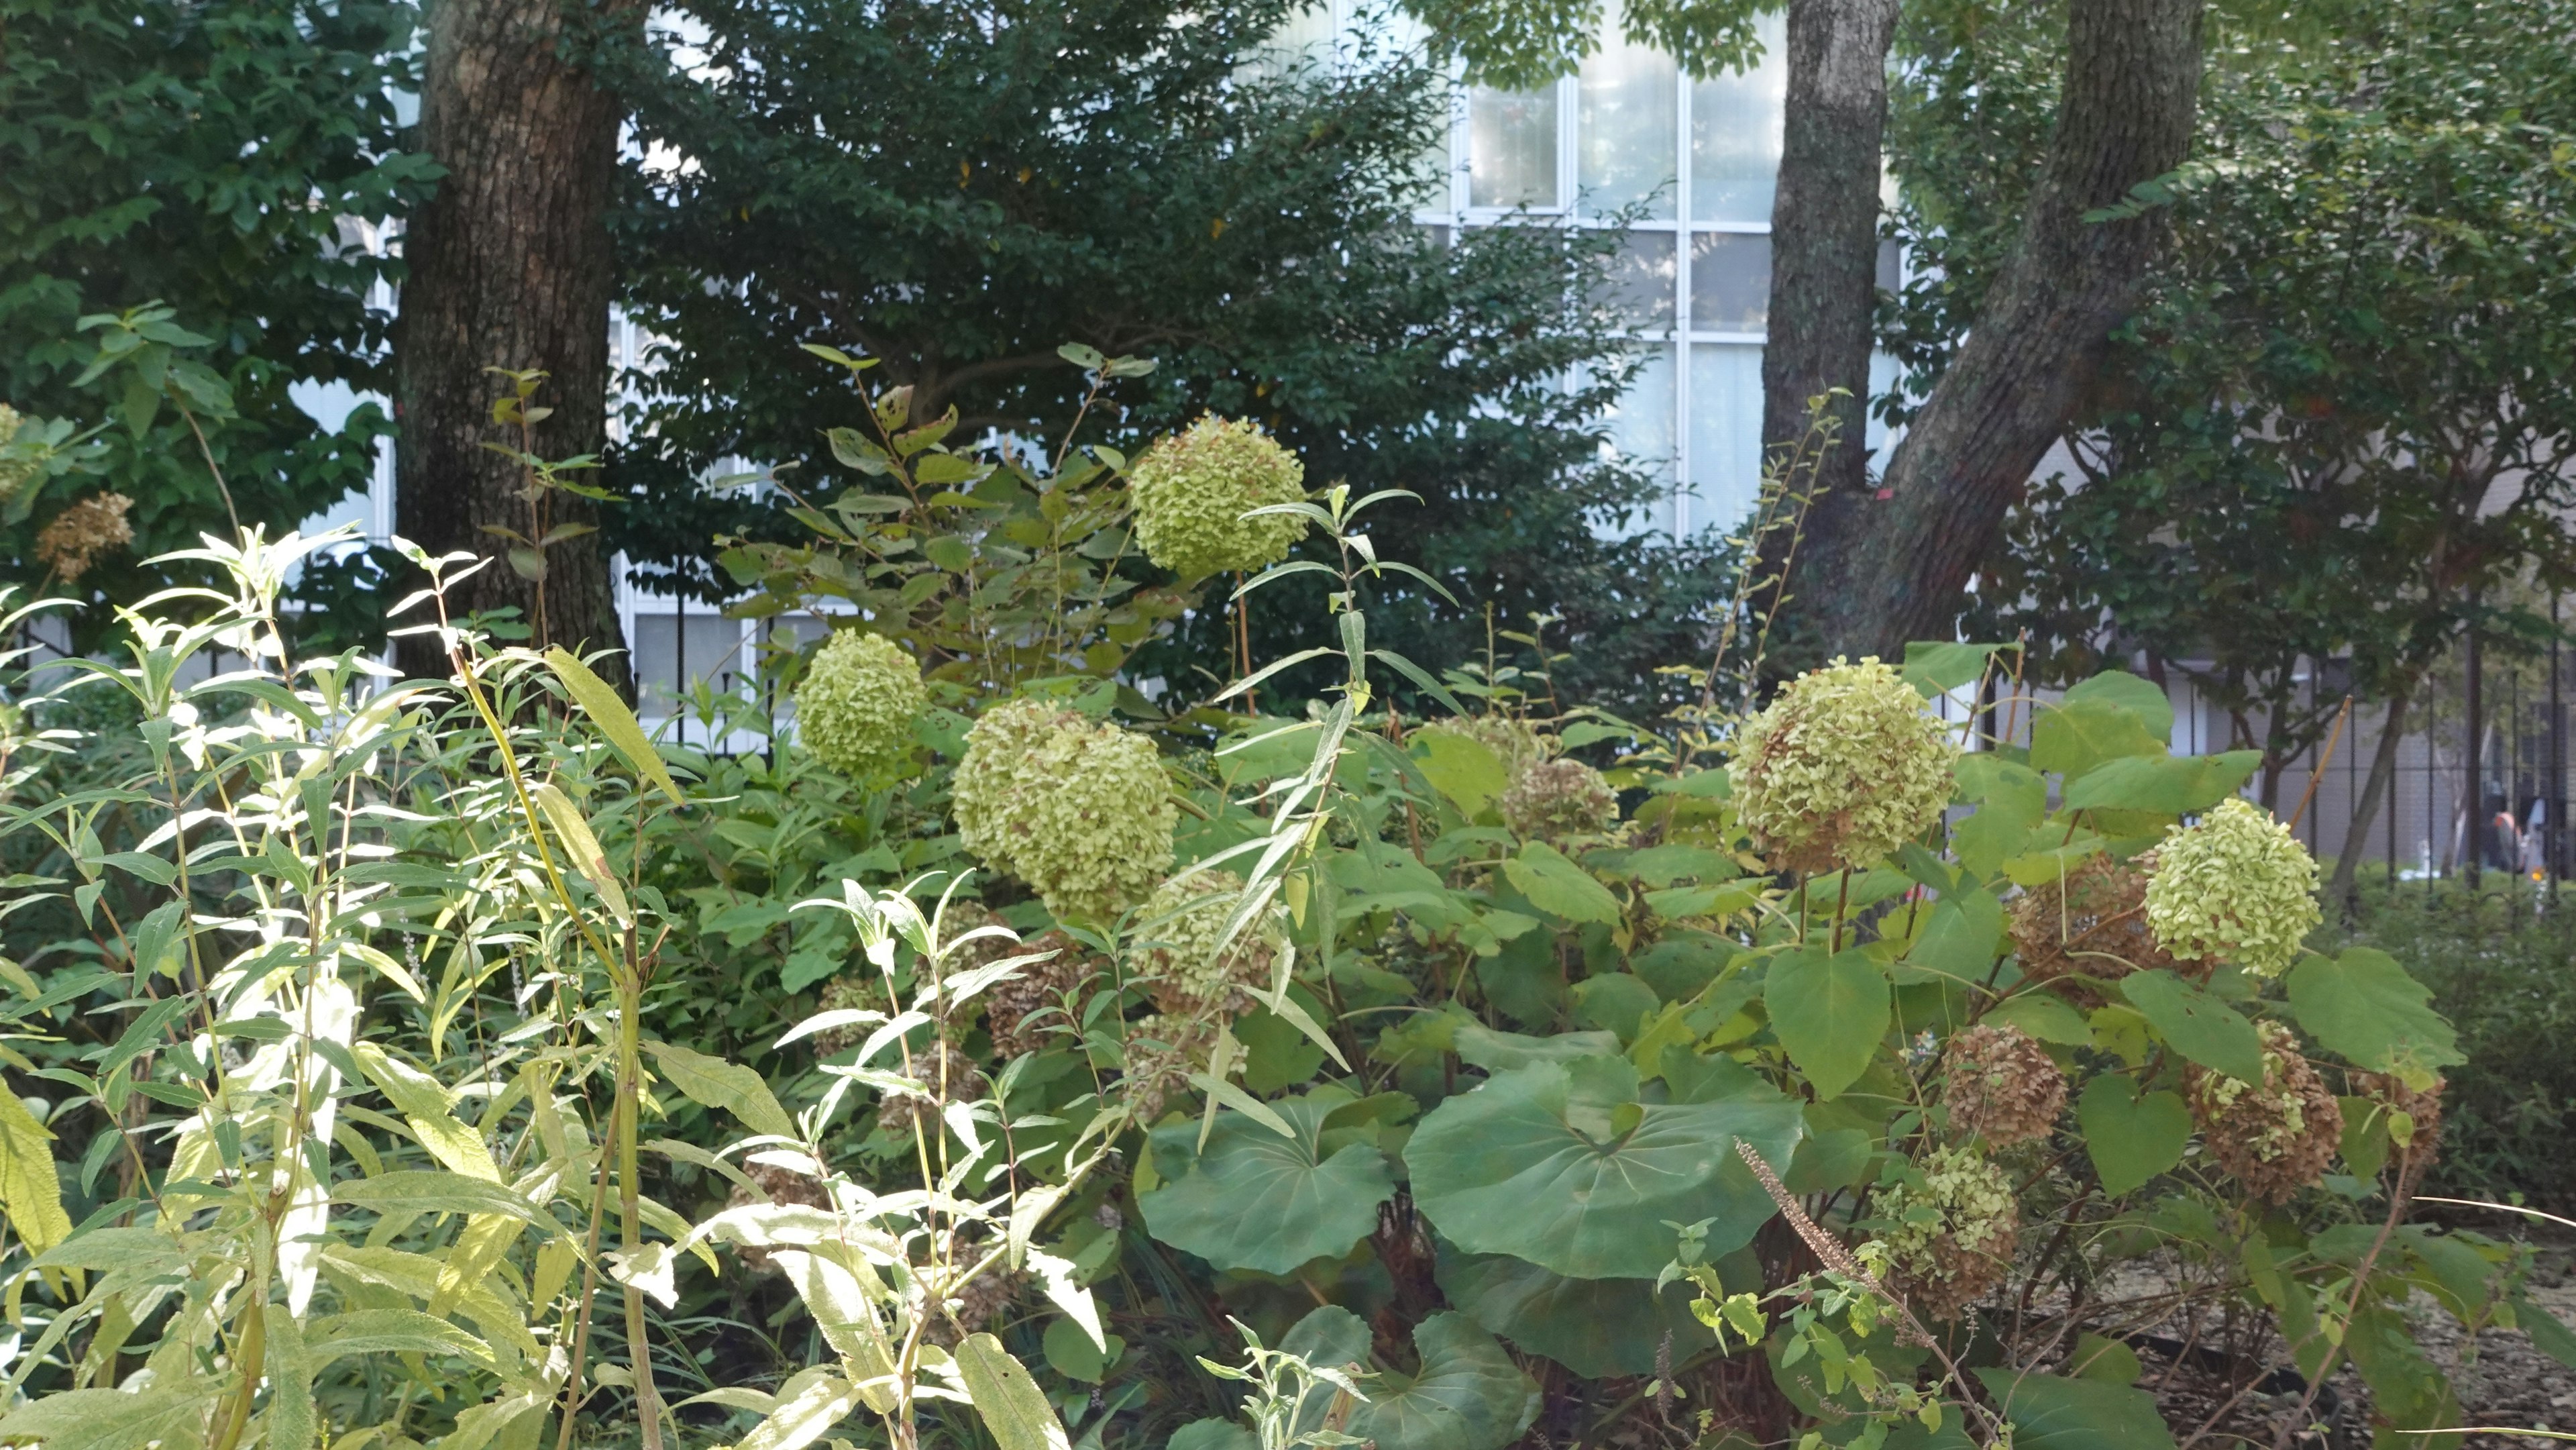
{"x": 435, "y": 988}
{"x": 2338, "y": 426}
{"x": 222, "y": 159}
{"x": 955, "y": 191}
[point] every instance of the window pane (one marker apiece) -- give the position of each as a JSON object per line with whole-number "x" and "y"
{"x": 1641, "y": 281}
{"x": 1511, "y": 147}
{"x": 1730, "y": 281}
{"x": 673, "y": 654}
{"x": 1641, "y": 428}
{"x": 1725, "y": 433}
{"x": 1626, "y": 129}
{"x": 1735, "y": 133}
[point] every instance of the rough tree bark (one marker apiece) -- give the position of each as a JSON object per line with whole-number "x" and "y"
{"x": 509, "y": 265}
{"x": 1824, "y": 249}
{"x": 1895, "y": 567}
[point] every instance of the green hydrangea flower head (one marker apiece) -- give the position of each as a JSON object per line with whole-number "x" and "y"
{"x": 1841, "y": 769}
{"x": 15, "y": 468}
{"x": 1189, "y": 978}
{"x": 1193, "y": 489}
{"x": 857, "y": 702}
{"x": 2236, "y": 887}
{"x": 1955, "y": 1228}
{"x": 1080, "y": 810}
{"x": 1550, "y": 800}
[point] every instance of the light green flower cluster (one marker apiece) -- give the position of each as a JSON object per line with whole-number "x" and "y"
{"x": 1956, "y": 1226}
{"x": 15, "y": 469}
{"x": 1080, "y": 811}
{"x": 1554, "y": 799}
{"x": 1193, "y": 489}
{"x": 1189, "y": 978}
{"x": 857, "y": 702}
{"x": 1844, "y": 767}
{"x": 2237, "y": 887}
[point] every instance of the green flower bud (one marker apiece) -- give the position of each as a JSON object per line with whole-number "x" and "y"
{"x": 1844, "y": 767}
{"x": 857, "y": 702}
{"x": 1078, "y": 810}
{"x": 2237, "y": 887}
{"x": 1193, "y": 489}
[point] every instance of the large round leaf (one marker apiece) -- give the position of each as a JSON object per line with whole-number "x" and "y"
{"x": 1594, "y": 1327}
{"x": 1559, "y": 1164}
{"x": 1468, "y": 1394}
{"x": 1831, "y": 1011}
{"x": 1257, "y": 1200}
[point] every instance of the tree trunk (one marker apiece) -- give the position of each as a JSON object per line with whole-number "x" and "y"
{"x": 1896, "y": 568}
{"x": 508, "y": 266}
{"x": 1824, "y": 261}
{"x": 2340, "y": 888}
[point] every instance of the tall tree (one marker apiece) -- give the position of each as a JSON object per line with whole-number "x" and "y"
{"x": 223, "y": 159}
{"x": 511, "y": 267}
{"x": 958, "y": 191}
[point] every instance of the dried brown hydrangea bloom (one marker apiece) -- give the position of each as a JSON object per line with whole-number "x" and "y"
{"x": 80, "y": 535}
{"x": 2424, "y": 1106}
{"x": 2001, "y": 1086}
{"x": 2277, "y": 1137}
{"x": 947, "y": 1075}
{"x": 2092, "y": 924}
{"x": 1554, "y": 799}
{"x": 1039, "y": 988}
{"x": 971, "y": 1307}
{"x": 777, "y": 1185}
{"x": 1956, "y": 1229}
{"x": 1162, "y": 1052}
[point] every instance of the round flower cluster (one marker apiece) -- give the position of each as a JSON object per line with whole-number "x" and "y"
{"x": 1162, "y": 1051}
{"x": 15, "y": 468}
{"x": 2001, "y": 1086}
{"x": 1553, "y": 799}
{"x": 1179, "y": 956}
{"x": 2236, "y": 887}
{"x": 857, "y": 702}
{"x": 1956, "y": 1229}
{"x": 2277, "y": 1138}
{"x": 1078, "y": 810}
{"x": 946, "y": 1076}
{"x": 2422, "y": 1107}
{"x": 1514, "y": 741}
{"x": 2091, "y": 924}
{"x": 1023, "y": 1012}
{"x": 1193, "y": 489}
{"x": 81, "y": 534}
{"x": 1842, "y": 768}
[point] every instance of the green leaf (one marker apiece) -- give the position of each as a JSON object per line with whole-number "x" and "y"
{"x": 808, "y": 1406}
{"x": 1558, "y": 887}
{"x": 1013, "y": 1406}
{"x": 2131, "y": 1138}
{"x": 2050, "y": 1413}
{"x": 2078, "y": 735}
{"x": 1255, "y": 1200}
{"x": 575, "y": 834}
{"x": 1469, "y": 1395}
{"x": 2549, "y": 1334}
{"x": 2364, "y": 1006}
{"x": 2168, "y": 785}
{"x": 31, "y": 1190}
{"x": 715, "y": 1083}
{"x": 1614, "y": 1002}
{"x": 1830, "y": 1011}
{"x": 1213, "y": 1435}
{"x": 1496, "y": 1051}
{"x": 614, "y": 720}
{"x": 1936, "y": 667}
{"x": 1594, "y": 1327}
{"x": 2136, "y": 694}
{"x": 2196, "y": 1024}
{"x": 389, "y": 1331}
{"x": 294, "y": 1421}
{"x": 430, "y": 1190}
{"x": 1070, "y": 1351}
{"x": 113, "y": 1419}
{"x": 1559, "y": 1164}
{"x": 1959, "y": 937}
{"x": 2046, "y": 1018}
{"x": 423, "y": 1104}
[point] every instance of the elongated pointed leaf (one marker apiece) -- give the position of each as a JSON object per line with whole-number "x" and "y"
{"x": 582, "y": 846}
{"x": 614, "y": 720}
{"x": 1015, "y": 1410}
{"x": 715, "y": 1083}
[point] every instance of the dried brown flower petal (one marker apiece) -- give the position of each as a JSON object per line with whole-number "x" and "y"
{"x": 81, "y": 534}
{"x": 2424, "y": 1106}
{"x": 2091, "y": 924}
{"x": 777, "y": 1185}
{"x": 2275, "y": 1137}
{"x": 946, "y": 1076}
{"x": 1039, "y": 988}
{"x": 2001, "y": 1086}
